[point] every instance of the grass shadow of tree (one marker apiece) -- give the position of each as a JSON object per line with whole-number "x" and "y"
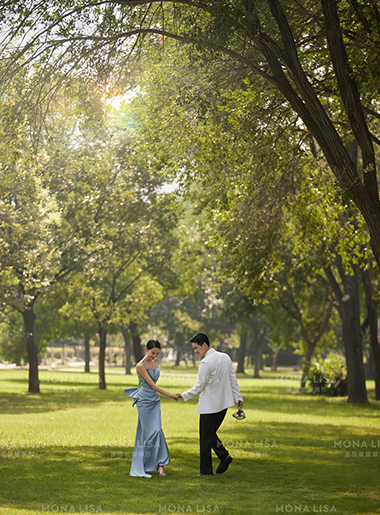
{"x": 98, "y": 476}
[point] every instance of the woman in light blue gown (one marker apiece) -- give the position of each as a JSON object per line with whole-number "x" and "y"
{"x": 151, "y": 451}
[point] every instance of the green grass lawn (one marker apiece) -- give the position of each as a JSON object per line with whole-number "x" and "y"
{"x": 69, "y": 450}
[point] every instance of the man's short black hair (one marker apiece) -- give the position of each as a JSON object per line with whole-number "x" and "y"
{"x": 200, "y": 339}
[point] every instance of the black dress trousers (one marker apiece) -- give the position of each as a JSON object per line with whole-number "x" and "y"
{"x": 209, "y": 423}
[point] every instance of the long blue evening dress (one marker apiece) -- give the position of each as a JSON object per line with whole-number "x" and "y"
{"x": 150, "y": 449}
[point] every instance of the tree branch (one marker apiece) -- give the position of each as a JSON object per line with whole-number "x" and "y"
{"x": 350, "y": 96}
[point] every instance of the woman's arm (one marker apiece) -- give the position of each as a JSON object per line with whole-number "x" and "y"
{"x": 141, "y": 371}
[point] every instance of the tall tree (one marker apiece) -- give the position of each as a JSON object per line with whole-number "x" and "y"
{"x": 29, "y": 254}
{"x": 348, "y": 305}
{"x": 122, "y": 225}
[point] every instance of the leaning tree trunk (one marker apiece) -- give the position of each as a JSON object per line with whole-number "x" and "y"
{"x": 136, "y": 341}
{"x": 29, "y": 318}
{"x": 242, "y": 353}
{"x": 102, "y": 354}
{"x": 300, "y": 94}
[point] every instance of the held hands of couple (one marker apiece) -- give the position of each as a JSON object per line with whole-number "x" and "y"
{"x": 176, "y": 396}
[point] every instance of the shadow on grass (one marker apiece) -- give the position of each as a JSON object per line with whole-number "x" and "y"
{"x": 17, "y": 403}
{"x": 87, "y": 476}
{"x": 71, "y": 478}
{"x": 281, "y": 402}
{"x": 276, "y": 400}
{"x": 276, "y": 462}
{"x": 76, "y": 395}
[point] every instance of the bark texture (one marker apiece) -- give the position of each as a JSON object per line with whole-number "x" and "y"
{"x": 29, "y": 318}
{"x": 348, "y": 306}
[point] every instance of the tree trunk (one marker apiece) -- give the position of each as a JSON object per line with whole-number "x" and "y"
{"x": 372, "y": 319}
{"x": 102, "y": 354}
{"x": 29, "y": 318}
{"x": 242, "y": 353}
{"x": 352, "y": 343}
{"x": 258, "y": 356}
{"x": 63, "y": 353}
{"x": 136, "y": 341}
{"x": 127, "y": 346}
{"x": 349, "y": 311}
{"x": 274, "y": 360}
{"x": 306, "y": 363}
{"x": 369, "y": 367}
{"x": 86, "y": 341}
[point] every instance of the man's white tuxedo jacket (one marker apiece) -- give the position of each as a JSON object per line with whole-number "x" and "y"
{"x": 216, "y": 384}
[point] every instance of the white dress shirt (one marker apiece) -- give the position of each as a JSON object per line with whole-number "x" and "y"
{"x": 216, "y": 384}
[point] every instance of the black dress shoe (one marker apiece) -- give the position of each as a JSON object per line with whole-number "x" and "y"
{"x": 223, "y": 466}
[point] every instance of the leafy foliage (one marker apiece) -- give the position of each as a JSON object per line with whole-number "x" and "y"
{"x": 329, "y": 376}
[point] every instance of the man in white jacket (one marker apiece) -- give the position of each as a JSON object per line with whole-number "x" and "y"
{"x": 218, "y": 390}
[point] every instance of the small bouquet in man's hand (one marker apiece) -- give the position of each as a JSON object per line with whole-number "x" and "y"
{"x": 239, "y": 414}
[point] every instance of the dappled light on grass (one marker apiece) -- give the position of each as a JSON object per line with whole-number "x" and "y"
{"x": 69, "y": 448}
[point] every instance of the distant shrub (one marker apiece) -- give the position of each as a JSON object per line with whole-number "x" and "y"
{"x": 329, "y": 376}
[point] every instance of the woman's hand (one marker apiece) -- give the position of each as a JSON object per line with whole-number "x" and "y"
{"x": 175, "y": 396}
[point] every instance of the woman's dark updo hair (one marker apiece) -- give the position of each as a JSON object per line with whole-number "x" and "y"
{"x": 153, "y": 344}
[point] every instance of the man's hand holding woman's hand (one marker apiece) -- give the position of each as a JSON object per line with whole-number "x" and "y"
{"x": 175, "y": 396}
